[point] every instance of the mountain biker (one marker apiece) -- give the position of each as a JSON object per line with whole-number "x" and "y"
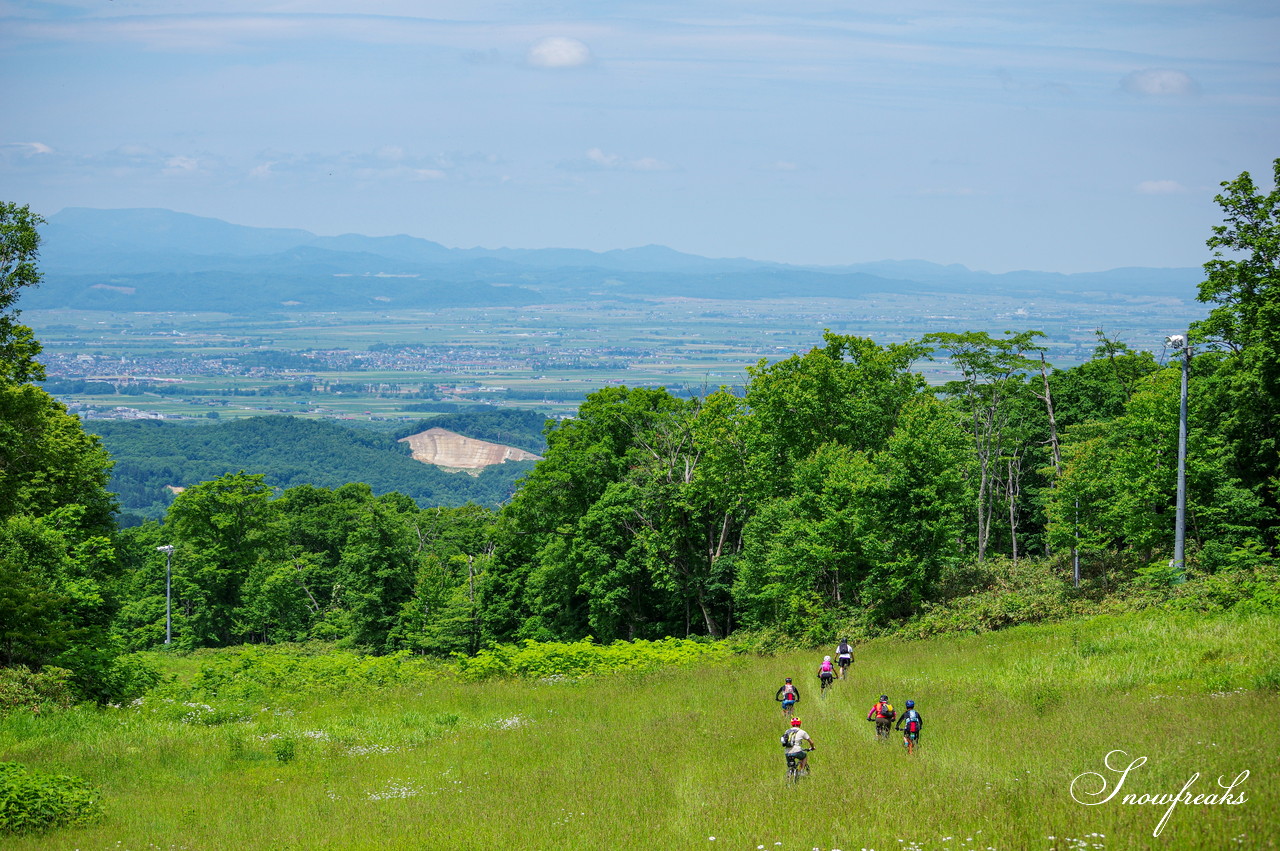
{"x": 826, "y": 671}
{"x": 911, "y": 732}
{"x": 844, "y": 656}
{"x": 797, "y": 754}
{"x": 788, "y": 694}
{"x": 882, "y": 712}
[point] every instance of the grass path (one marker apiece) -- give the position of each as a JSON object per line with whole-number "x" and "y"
{"x": 669, "y": 760}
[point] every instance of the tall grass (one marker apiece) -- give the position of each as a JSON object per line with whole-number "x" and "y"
{"x": 671, "y": 758}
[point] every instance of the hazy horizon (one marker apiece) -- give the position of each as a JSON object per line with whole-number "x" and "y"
{"x": 999, "y": 136}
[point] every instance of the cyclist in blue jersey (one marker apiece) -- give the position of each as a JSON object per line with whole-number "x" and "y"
{"x": 910, "y": 724}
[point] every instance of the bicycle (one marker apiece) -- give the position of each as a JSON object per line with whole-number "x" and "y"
{"x": 827, "y": 682}
{"x": 798, "y": 765}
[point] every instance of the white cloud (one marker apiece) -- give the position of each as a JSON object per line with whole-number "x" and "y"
{"x": 180, "y": 165}
{"x": 1160, "y": 187}
{"x": 558, "y": 52}
{"x": 599, "y": 157}
{"x": 615, "y": 161}
{"x": 31, "y": 147}
{"x": 1159, "y": 82}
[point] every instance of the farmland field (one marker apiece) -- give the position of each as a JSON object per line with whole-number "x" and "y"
{"x": 355, "y": 365}
{"x": 687, "y": 757}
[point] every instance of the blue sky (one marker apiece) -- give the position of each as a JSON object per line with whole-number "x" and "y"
{"x": 1001, "y": 135}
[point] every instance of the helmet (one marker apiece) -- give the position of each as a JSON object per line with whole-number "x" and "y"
{"x": 795, "y": 722}
{"x": 884, "y": 697}
{"x": 910, "y": 703}
{"x": 826, "y": 658}
{"x": 788, "y": 679}
{"x": 844, "y": 641}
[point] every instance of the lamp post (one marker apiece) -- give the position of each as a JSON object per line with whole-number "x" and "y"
{"x": 1178, "y": 565}
{"x": 167, "y": 549}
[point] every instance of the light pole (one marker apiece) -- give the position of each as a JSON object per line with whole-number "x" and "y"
{"x": 1178, "y": 565}
{"x": 167, "y": 549}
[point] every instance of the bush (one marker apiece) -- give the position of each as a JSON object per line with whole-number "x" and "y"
{"x": 284, "y": 748}
{"x": 584, "y": 658}
{"x": 104, "y": 675}
{"x": 31, "y": 802}
{"x": 254, "y": 672}
{"x": 1244, "y": 587}
{"x": 23, "y": 689}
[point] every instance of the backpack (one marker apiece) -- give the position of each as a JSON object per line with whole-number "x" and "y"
{"x": 826, "y": 667}
{"x": 787, "y": 737}
{"x": 788, "y": 692}
{"x": 844, "y": 649}
{"x": 913, "y": 725}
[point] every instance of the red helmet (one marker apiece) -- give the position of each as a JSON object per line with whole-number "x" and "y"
{"x": 795, "y": 722}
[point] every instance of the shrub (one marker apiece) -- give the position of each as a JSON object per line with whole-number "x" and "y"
{"x": 252, "y": 672}
{"x": 31, "y": 802}
{"x": 1244, "y": 587}
{"x": 585, "y": 658}
{"x": 285, "y": 748}
{"x": 23, "y": 689}
{"x": 104, "y": 675}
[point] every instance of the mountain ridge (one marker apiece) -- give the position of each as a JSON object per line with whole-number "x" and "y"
{"x": 143, "y": 258}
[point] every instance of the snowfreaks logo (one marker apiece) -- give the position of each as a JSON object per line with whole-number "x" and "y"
{"x": 1083, "y": 793}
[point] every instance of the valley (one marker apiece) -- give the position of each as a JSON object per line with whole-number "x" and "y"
{"x": 390, "y": 366}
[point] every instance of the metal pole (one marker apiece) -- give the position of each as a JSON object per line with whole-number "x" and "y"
{"x": 167, "y": 549}
{"x": 1180, "y": 526}
{"x": 1075, "y": 551}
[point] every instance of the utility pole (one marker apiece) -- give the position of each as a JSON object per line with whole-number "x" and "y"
{"x": 1178, "y": 565}
{"x": 167, "y": 549}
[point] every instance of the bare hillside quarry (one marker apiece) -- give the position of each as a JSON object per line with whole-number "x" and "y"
{"x": 453, "y": 451}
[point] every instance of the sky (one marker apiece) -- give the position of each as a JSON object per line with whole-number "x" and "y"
{"x": 998, "y": 134}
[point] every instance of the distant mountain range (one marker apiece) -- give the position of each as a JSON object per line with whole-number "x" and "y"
{"x": 151, "y": 259}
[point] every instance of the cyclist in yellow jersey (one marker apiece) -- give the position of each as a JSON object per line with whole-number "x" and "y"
{"x": 882, "y": 712}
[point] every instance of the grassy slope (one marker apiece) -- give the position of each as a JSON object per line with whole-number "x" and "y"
{"x": 668, "y": 760}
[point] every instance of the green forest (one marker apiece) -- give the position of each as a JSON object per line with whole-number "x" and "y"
{"x": 153, "y": 456}
{"x": 836, "y": 493}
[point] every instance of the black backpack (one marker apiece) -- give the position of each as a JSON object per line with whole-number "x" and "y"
{"x": 789, "y": 737}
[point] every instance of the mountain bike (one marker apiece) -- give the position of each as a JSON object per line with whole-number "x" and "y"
{"x": 827, "y": 682}
{"x": 794, "y": 769}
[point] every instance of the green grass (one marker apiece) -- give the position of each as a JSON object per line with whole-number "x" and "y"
{"x": 670, "y": 759}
